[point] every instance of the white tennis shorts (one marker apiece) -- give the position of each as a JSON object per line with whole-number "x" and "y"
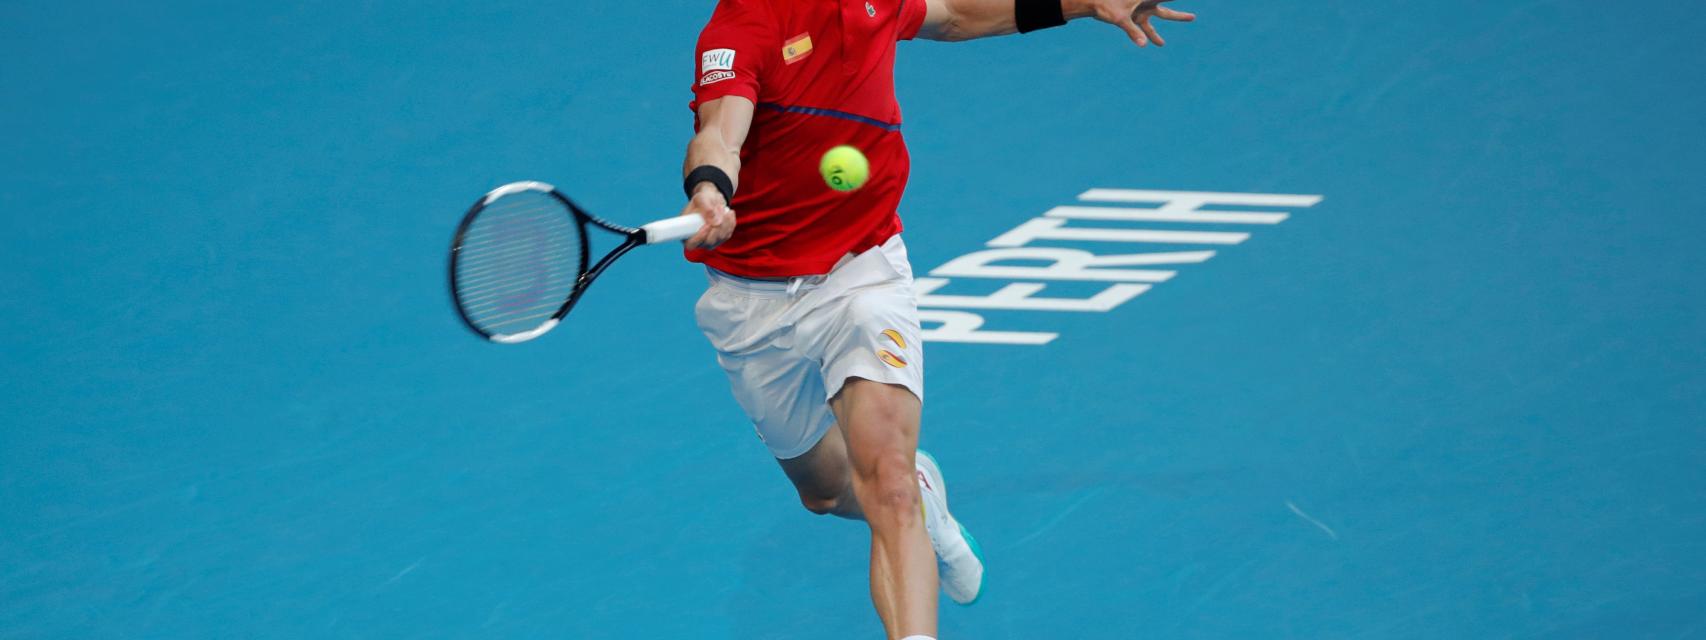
{"x": 789, "y": 346}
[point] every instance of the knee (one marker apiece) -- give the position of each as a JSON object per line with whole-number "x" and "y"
{"x": 825, "y": 497}
{"x": 820, "y": 505}
{"x": 890, "y": 485}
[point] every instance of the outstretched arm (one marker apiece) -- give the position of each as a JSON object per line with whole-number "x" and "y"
{"x": 967, "y": 19}
{"x": 723, "y": 124}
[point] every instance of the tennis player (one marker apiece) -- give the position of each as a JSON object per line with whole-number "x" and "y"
{"x": 810, "y": 305}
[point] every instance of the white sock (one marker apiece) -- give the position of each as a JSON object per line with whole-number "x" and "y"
{"x": 918, "y": 638}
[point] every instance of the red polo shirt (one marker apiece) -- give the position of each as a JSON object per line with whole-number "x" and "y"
{"x": 822, "y": 74}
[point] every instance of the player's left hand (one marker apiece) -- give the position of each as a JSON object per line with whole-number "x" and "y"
{"x": 1133, "y": 16}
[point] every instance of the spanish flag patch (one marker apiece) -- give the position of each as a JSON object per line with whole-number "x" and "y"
{"x": 796, "y": 48}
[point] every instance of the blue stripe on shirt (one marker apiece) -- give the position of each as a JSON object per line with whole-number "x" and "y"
{"x": 814, "y": 111}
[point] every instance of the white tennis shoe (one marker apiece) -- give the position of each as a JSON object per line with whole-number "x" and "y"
{"x": 959, "y": 561}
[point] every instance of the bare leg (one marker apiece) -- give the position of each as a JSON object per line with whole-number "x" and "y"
{"x": 880, "y": 429}
{"x": 824, "y": 477}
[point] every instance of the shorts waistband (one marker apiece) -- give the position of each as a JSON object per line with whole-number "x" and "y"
{"x": 792, "y": 286}
{"x": 772, "y": 287}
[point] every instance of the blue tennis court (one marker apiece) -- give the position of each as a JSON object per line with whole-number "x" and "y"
{"x": 1405, "y": 337}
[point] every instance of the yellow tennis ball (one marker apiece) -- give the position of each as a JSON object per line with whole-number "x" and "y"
{"x": 844, "y": 168}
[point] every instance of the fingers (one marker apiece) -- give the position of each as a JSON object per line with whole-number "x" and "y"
{"x": 1139, "y": 28}
{"x": 1149, "y": 30}
{"x": 724, "y": 228}
{"x": 1176, "y": 16}
{"x": 699, "y": 239}
{"x": 718, "y": 228}
{"x": 719, "y": 218}
{"x": 1132, "y": 31}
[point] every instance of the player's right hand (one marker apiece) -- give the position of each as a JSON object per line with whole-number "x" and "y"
{"x": 708, "y": 202}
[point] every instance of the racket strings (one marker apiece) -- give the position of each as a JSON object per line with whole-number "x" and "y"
{"x": 517, "y": 263}
{"x": 493, "y": 270}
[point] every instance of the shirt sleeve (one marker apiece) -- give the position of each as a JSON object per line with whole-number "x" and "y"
{"x": 733, "y": 50}
{"x": 911, "y": 18}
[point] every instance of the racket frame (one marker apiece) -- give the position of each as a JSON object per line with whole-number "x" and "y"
{"x": 632, "y": 237}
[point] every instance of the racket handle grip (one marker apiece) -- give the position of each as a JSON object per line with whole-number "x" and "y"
{"x": 677, "y": 228}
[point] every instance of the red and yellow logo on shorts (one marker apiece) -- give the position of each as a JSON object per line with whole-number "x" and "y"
{"x": 895, "y": 337}
{"x": 890, "y": 359}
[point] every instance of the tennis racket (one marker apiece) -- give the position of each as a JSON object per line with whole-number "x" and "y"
{"x": 519, "y": 260}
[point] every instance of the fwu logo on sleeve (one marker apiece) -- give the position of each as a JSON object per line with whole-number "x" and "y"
{"x": 1129, "y": 272}
{"x": 716, "y": 60}
{"x": 716, "y": 65}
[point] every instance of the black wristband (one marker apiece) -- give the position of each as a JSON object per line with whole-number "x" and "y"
{"x": 1032, "y": 15}
{"x": 708, "y": 173}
